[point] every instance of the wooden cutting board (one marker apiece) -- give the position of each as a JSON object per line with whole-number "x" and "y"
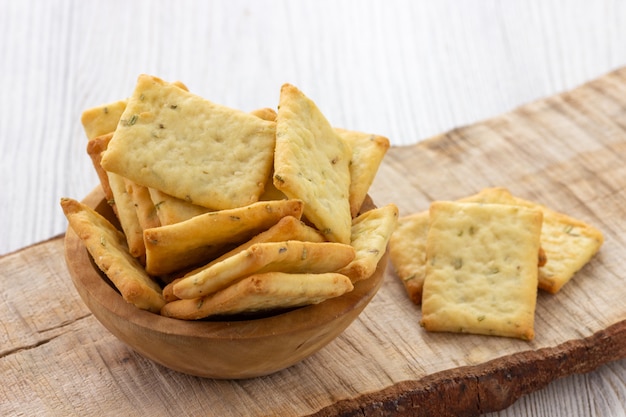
{"x": 567, "y": 152}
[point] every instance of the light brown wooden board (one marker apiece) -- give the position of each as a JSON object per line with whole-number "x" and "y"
{"x": 567, "y": 152}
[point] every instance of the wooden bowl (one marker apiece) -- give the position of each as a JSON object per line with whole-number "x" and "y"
{"x": 226, "y": 349}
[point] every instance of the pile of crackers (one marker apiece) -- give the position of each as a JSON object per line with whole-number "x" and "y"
{"x": 224, "y": 212}
{"x": 475, "y": 265}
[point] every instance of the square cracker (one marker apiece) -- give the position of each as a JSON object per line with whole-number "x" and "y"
{"x": 191, "y": 148}
{"x": 481, "y": 269}
{"x": 171, "y": 209}
{"x": 269, "y": 291}
{"x": 368, "y": 151}
{"x": 103, "y": 119}
{"x": 95, "y": 147}
{"x": 126, "y": 212}
{"x": 204, "y": 237}
{"x": 568, "y": 243}
{"x": 288, "y": 256}
{"x": 287, "y": 228}
{"x": 371, "y": 232}
{"x": 312, "y": 163}
{"x": 108, "y": 248}
{"x": 407, "y": 252}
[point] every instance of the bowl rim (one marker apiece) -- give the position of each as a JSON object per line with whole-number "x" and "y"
{"x": 99, "y": 291}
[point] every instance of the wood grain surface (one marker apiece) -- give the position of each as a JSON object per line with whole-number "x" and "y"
{"x": 565, "y": 151}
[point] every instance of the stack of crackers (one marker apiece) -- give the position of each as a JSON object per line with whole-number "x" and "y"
{"x": 225, "y": 212}
{"x": 475, "y": 264}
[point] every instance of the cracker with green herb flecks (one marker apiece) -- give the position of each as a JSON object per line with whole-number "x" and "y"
{"x": 109, "y": 250}
{"x": 171, "y": 210}
{"x": 206, "y": 236}
{"x": 312, "y": 163}
{"x": 190, "y": 148}
{"x": 407, "y": 252}
{"x": 262, "y": 292}
{"x": 371, "y": 232}
{"x": 481, "y": 269}
{"x": 288, "y": 256}
{"x": 124, "y": 208}
{"x": 287, "y": 228}
{"x": 568, "y": 243}
{"x": 95, "y": 147}
{"x": 368, "y": 151}
{"x": 103, "y": 119}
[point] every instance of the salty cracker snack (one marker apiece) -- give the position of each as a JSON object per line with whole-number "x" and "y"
{"x": 145, "y": 209}
{"x": 368, "y": 151}
{"x": 312, "y": 163}
{"x": 103, "y": 119}
{"x": 108, "y": 248}
{"x": 287, "y": 228}
{"x": 191, "y": 148}
{"x": 288, "y": 256}
{"x": 568, "y": 243}
{"x": 265, "y": 113}
{"x": 95, "y": 147}
{"x": 407, "y": 252}
{"x": 371, "y": 232}
{"x": 172, "y": 210}
{"x": 481, "y": 269}
{"x": 124, "y": 208}
{"x": 263, "y": 292}
{"x": 201, "y": 238}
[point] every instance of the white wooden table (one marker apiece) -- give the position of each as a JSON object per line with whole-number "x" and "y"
{"x": 403, "y": 69}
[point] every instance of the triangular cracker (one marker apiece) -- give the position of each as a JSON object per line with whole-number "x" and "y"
{"x": 108, "y": 248}
{"x": 269, "y": 291}
{"x": 311, "y": 163}
{"x": 191, "y": 148}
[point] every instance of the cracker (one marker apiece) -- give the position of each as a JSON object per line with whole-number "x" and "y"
{"x": 311, "y": 163}
{"x": 191, "y": 148}
{"x": 144, "y": 207}
{"x": 567, "y": 243}
{"x": 201, "y": 238}
{"x": 109, "y": 250}
{"x": 368, "y": 151}
{"x": 95, "y": 147}
{"x": 263, "y": 292}
{"x": 407, "y": 253}
{"x": 103, "y": 119}
{"x": 371, "y": 232}
{"x": 481, "y": 269}
{"x": 265, "y": 113}
{"x": 287, "y": 228}
{"x": 288, "y": 256}
{"x": 124, "y": 208}
{"x": 171, "y": 209}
